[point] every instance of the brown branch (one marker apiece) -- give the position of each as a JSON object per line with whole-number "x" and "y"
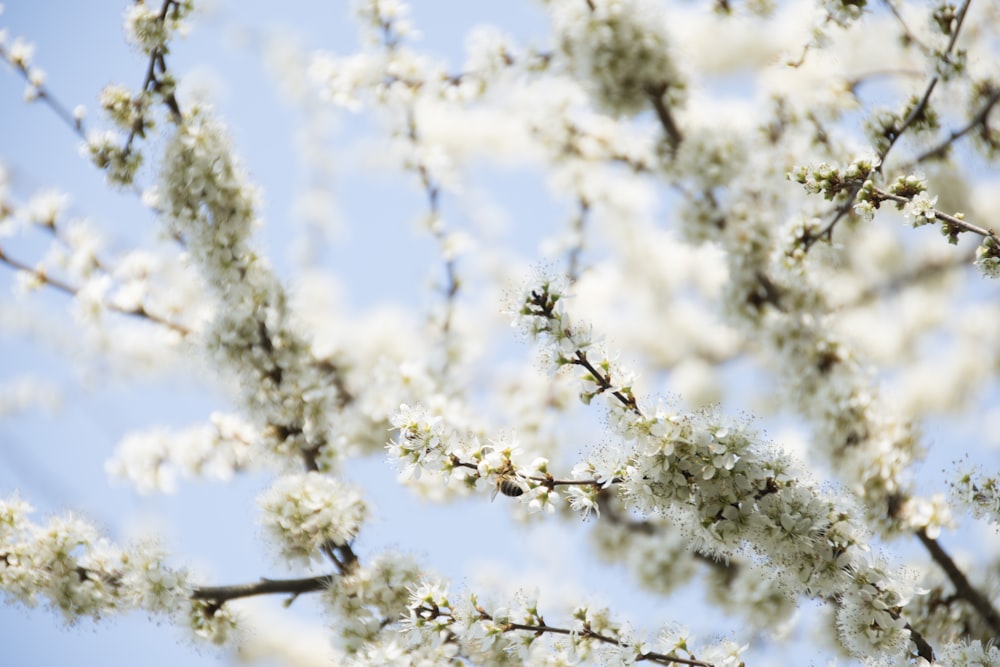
{"x": 963, "y": 587}
{"x": 977, "y": 120}
{"x": 66, "y": 288}
{"x": 647, "y": 656}
{"x": 914, "y": 275}
{"x": 433, "y": 189}
{"x": 915, "y": 113}
{"x": 906, "y": 29}
{"x": 44, "y": 94}
{"x": 924, "y": 649}
{"x": 152, "y": 83}
{"x": 585, "y": 632}
{"x": 842, "y": 210}
{"x": 294, "y": 587}
{"x": 605, "y": 383}
{"x": 921, "y": 106}
{"x": 666, "y": 119}
{"x": 940, "y": 215}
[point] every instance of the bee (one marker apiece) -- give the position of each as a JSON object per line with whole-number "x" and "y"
{"x": 508, "y": 485}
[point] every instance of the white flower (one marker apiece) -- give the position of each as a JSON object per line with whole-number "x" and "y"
{"x": 153, "y": 460}
{"x": 143, "y": 26}
{"x": 920, "y": 210}
{"x": 306, "y": 511}
{"x": 927, "y": 514}
{"x": 620, "y": 48}
{"x": 988, "y": 258}
{"x": 20, "y": 53}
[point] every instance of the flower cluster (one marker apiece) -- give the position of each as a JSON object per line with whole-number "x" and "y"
{"x": 431, "y": 448}
{"x": 67, "y": 566}
{"x": 153, "y": 460}
{"x": 206, "y": 198}
{"x": 831, "y": 181}
{"x": 468, "y": 627}
{"x": 106, "y": 150}
{"x": 738, "y": 493}
{"x": 309, "y": 511}
{"x": 980, "y": 493}
{"x": 988, "y": 257}
{"x": 150, "y": 28}
{"x": 541, "y": 312}
{"x": 621, "y": 49}
{"x": 365, "y": 602}
{"x": 130, "y": 113}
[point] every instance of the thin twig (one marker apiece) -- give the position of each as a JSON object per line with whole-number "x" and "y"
{"x": 963, "y": 587}
{"x": 960, "y": 223}
{"x": 906, "y": 29}
{"x": 921, "y": 106}
{"x": 912, "y": 276}
{"x": 666, "y": 119}
{"x": 585, "y": 632}
{"x": 977, "y": 120}
{"x": 43, "y": 278}
{"x": 915, "y": 113}
{"x": 576, "y": 250}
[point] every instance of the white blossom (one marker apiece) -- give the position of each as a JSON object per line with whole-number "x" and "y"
{"x": 152, "y": 461}
{"x": 621, "y": 49}
{"x": 920, "y": 210}
{"x": 305, "y": 512}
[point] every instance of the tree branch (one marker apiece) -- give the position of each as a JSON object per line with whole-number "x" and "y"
{"x": 674, "y": 135}
{"x": 940, "y": 215}
{"x": 963, "y": 587}
{"x": 924, "y": 650}
{"x": 921, "y": 106}
{"x": 977, "y": 120}
{"x": 294, "y": 587}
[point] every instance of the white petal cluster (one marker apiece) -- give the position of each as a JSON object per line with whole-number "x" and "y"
{"x": 739, "y": 493}
{"x": 344, "y": 81}
{"x": 988, "y": 258}
{"x": 304, "y": 512}
{"x": 978, "y": 492}
{"x": 620, "y": 49}
{"x": 379, "y": 17}
{"x": 206, "y": 196}
{"x": 210, "y": 622}
{"x": 122, "y": 108}
{"x": 65, "y": 565}
{"x": 844, "y": 12}
{"x": 153, "y": 460}
{"x": 971, "y": 654}
{"x": 371, "y": 597}
{"x": 920, "y": 210}
{"x": 149, "y": 26}
{"x": 106, "y": 150}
